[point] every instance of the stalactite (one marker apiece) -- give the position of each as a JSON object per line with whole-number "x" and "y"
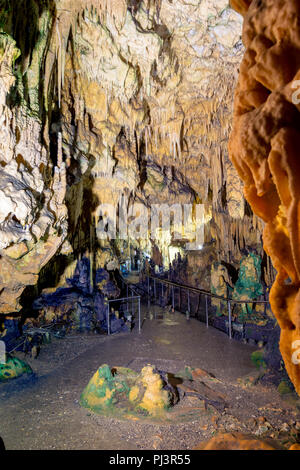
{"x": 178, "y": 122}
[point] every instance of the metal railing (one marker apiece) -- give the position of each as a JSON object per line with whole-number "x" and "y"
{"x": 173, "y": 285}
{"x": 128, "y": 306}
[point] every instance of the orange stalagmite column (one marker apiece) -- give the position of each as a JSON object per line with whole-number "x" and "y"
{"x": 240, "y": 5}
{"x": 265, "y": 148}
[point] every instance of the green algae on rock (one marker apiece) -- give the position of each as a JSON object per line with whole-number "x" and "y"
{"x": 248, "y": 285}
{"x": 257, "y": 357}
{"x": 122, "y": 390}
{"x": 284, "y": 388}
{"x": 13, "y": 368}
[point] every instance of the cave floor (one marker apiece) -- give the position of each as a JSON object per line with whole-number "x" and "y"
{"x": 44, "y": 412}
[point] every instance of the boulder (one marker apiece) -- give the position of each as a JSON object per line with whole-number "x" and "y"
{"x": 238, "y": 441}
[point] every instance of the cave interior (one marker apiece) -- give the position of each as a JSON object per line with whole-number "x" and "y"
{"x": 149, "y": 233}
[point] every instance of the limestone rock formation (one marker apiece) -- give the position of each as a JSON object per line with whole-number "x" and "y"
{"x": 116, "y": 102}
{"x": 248, "y": 285}
{"x": 240, "y": 5}
{"x": 13, "y": 368}
{"x": 263, "y": 148}
{"x": 33, "y": 214}
{"x": 147, "y": 116}
{"x": 238, "y": 441}
{"x": 220, "y": 285}
{"x": 99, "y": 105}
{"x": 124, "y": 390}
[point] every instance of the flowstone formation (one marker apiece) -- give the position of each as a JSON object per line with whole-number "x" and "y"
{"x": 264, "y": 146}
{"x": 221, "y": 285}
{"x": 248, "y": 285}
{"x": 153, "y": 394}
{"x": 99, "y": 104}
{"x": 125, "y": 391}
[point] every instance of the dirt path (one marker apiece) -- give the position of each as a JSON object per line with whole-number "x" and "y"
{"x": 44, "y": 413}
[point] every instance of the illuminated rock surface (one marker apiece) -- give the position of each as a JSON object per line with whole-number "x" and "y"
{"x": 125, "y": 391}
{"x": 100, "y": 104}
{"x": 151, "y": 393}
{"x": 131, "y": 101}
{"x": 238, "y": 441}
{"x": 264, "y": 150}
{"x": 248, "y": 285}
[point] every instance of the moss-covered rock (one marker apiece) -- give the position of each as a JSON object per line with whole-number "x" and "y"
{"x": 257, "y": 357}
{"x": 248, "y": 287}
{"x": 13, "y": 368}
{"x": 284, "y": 388}
{"x": 124, "y": 390}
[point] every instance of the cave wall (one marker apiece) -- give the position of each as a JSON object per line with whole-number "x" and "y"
{"x": 33, "y": 215}
{"x": 111, "y": 99}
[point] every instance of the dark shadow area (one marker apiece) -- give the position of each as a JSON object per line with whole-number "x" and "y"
{"x": 2, "y": 446}
{"x": 20, "y": 19}
{"x": 232, "y": 271}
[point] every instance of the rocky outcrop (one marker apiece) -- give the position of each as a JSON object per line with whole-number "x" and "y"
{"x": 263, "y": 148}
{"x": 33, "y": 215}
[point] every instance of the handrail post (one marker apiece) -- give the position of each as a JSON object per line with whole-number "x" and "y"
{"x": 206, "y": 310}
{"x": 189, "y": 306}
{"x": 132, "y": 303}
{"x": 108, "y": 320}
{"x": 229, "y": 319}
{"x": 127, "y": 295}
{"x": 179, "y": 299}
{"x": 173, "y": 298}
{"x": 140, "y": 326}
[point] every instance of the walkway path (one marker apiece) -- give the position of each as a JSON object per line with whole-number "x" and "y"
{"x": 45, "y": 413}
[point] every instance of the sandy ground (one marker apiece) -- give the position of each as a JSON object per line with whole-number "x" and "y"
{"x": 43, "y": 412}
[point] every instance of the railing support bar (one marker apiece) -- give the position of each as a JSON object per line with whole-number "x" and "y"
{"x": 140, "y": 325}
{"x": 173, "y": 298}
{"x": 229, "y": 319}
{"x": 108, "y": 319}
{"x": 127, "y": 295}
